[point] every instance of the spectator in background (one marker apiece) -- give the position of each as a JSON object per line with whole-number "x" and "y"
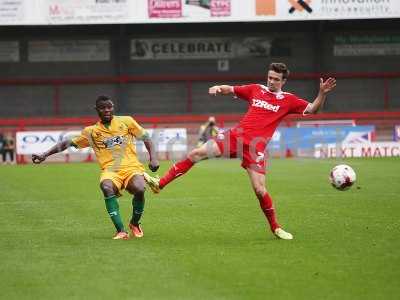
{"x": 8, "y": 148}
{"x": 2, "y": 146}
{"x": 207, "y": 131}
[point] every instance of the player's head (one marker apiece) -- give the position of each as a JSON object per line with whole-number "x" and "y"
{"x": 211, "y": 120}
{"x": 277, "y": 76}
{"x": 105, "y": 108}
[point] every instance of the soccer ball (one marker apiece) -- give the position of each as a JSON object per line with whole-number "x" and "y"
{"x": 342, "y": 177}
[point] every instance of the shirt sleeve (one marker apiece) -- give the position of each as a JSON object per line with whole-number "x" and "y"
{"x": 244, "y": 92}
{"x": 298, "y": 105}
{"x": 134, "y": 128}
{"x": 82, "y": 140}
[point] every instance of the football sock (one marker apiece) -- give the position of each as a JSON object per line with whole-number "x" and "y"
{"x": 113, "y": 210}
{"x": 175, "y": 171}
{"x": 269, "y": 211}
{"x": 138, "y": 208}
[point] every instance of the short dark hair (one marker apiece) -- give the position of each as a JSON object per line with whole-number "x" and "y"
{"x": 102, "y": 98}
{"x": 279, "y": 68}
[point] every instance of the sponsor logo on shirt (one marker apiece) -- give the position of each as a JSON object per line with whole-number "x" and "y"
{"x": 114, "y": 141}
{"x": 264, "y": 104}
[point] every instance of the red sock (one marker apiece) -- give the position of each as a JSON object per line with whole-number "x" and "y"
{"x": 176, "y": 170}
{"x": 269, "y": 211}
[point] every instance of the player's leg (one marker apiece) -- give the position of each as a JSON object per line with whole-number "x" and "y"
{"x": 205, "y": 151}
{"x": 136, "y": 186}
{"x": 12, "y": 156}
{"x": 8, "y": 154}
{"x": 258, "y": 184}
{"x": 257, "y": 180}
{"x": 110, "y": 192}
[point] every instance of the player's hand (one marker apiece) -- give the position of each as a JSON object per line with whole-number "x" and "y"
{"x": 154, "y": 165}
{"x": 214, "y": 90}
{"x": 38, "y": 158}
{"x": 328, "y": 85}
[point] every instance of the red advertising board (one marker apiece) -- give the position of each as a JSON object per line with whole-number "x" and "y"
{"x": 165, "y": 8}
{"x": 220, "y": 8}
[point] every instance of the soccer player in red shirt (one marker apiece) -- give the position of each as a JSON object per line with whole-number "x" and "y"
{"x": 267, "y": 106}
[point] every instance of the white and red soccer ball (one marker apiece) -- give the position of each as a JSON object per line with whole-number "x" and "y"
{"x": 342, "y": 177}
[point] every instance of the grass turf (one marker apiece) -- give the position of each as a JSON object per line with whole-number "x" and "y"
{"x": 205, "y": 237}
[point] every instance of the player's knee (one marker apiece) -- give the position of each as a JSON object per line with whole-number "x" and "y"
{"x": 137, "y": 188}
{"x": 192, "y": 155}
{"x": 196, "y": 154}
{"x": 107, "y": 192}
{"x": 260, "y": 191}
{"x": 107, "y": 189}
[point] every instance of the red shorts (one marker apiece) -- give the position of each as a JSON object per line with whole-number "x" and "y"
{"x": 253, "y": 156}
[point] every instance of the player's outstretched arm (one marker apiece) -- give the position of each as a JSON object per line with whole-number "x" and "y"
{"x": 59, "y": 147}
{"x": 153, "y": 163}
{"x": 324, "y": 88}
{"x": 220, "y": 90}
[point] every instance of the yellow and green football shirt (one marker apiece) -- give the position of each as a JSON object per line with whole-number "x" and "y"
{"x": 113, "y": 144}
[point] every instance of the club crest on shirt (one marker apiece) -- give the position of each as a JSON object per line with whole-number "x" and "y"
{"x": 220, "y": 136}
{"x": 122, "y": 127}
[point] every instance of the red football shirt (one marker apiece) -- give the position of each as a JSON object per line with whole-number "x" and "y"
{"x": 266, "y": 110}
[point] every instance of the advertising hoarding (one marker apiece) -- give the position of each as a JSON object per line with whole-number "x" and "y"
{"x": 42, "y": 12}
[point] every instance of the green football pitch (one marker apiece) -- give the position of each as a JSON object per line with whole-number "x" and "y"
{"x": 205, "y": 236}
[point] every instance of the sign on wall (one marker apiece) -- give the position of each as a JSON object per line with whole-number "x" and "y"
{"x": 367, "y": 45}
{"x": 164, "y": 140}
{"x": 87, "y": 11}
{"x": 68, "y": 50}
{"x": 295, "y": 138}
{"x": 348, "y": 150}
{"x": 12, "y": 12}
{"x": 9, "y": 51}
{"x": 42, "y": 12}
{"x": 167, "y": 140}
{"x": 220, "y": 8}
{"x": 326, "y": 9}
{"x": 32, "y": 142}
{"x": 189, "y": 9}
{"x": 165, "y": 8}
{"x": 199, "y": 48}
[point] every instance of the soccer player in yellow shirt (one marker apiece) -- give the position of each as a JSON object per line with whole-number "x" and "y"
{"x": 112, "y": 139}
